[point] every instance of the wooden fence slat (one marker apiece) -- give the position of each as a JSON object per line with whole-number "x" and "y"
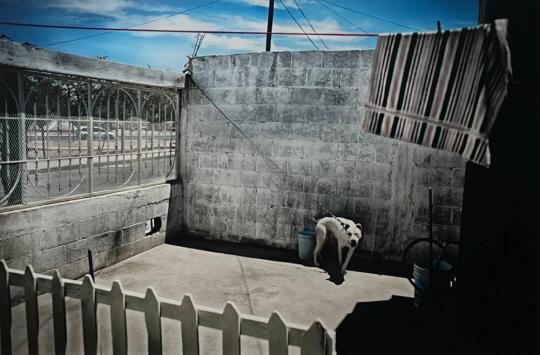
{"x": 134, "y": 301}
{"x": 43, "y": 284}
{"x": 59, "y": 313}
{"x": 329, "y": 344}
{"x": 118, "y": 319}
{"x": 153, "y": 322}
{"x": 72, "y": 288}
{"x": 295, "y": 336}
{"x": 16, "y": 278}
{"x": 89, "y": 320}
{"x": 253, "y": 327}
{"x": 189, "y": 328}
{"x": 277, "y": 335}
{"x": 5, "y": 309}
{"x": 32, "y": 315}
{"x": 103, "y": 295}
{"x": 314, "y": 340}
{"x": 209, "y": 318}
{"x": 231, "y": 330}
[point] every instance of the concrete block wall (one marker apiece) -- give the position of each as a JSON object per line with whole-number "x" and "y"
{"x": 57, "y": 236}
{"x": 304, "y": 112}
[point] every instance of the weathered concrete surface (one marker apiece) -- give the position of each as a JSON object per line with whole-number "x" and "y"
{"x": 304, "y": 110}
{"x": 301, "y": 294}
{"x": 29, "y": 57}
{"x": 59, "y": 235}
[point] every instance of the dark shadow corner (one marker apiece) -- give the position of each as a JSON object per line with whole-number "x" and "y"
{"x": 395, "y": 326}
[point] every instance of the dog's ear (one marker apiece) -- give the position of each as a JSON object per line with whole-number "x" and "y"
{"x": 359, "y": 226}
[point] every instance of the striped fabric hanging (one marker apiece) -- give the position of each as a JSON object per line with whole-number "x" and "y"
{"x": 442, "y": 90}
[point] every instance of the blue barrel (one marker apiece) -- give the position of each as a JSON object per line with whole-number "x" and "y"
{"x": 442, "y": 280}
{"x": 306, "y": 244}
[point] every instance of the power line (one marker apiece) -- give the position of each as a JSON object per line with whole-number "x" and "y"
{"x": 309, "y": 23}
{"x": 153, "y": 30}
{"x": 298, "y": 24}
{"x": 130, "y": 27}
{"x": 372, "y": 16}
{"x": 340, "y": 16}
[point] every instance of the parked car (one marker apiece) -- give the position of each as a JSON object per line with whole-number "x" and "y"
{"x": 99, "y": 133}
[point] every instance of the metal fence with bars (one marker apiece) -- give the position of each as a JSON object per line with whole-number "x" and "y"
{"x": 63, "y": 135}
{"x": 313, "y": 340}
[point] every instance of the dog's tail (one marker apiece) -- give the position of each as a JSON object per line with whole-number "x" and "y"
{"x": 325, "y": 212}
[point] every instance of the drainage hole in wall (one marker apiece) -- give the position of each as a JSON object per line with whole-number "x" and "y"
{"x": 153, "y": 226}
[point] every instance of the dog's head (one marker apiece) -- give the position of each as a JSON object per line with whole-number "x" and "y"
{"x": 354, "y": 233}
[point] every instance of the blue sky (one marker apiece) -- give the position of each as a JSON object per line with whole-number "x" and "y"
{"x": 169, "y": 51}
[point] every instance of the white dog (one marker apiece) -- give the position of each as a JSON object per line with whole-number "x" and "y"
{"x": 346, "y": 232}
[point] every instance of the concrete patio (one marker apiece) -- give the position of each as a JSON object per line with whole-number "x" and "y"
{"x": 301, "y": 294}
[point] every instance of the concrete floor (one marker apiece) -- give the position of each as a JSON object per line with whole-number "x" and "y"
{"x": 301, "y": 294}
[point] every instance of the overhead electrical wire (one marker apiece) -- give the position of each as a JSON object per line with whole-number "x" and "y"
{"x": 298, "y": 24}
{"x": 120, "y": 29}
{"x": 309, "y": 23}
{"x": 372, "y": 16}
{"x": 133, "y": 26}
{"x": 341, "y": 16}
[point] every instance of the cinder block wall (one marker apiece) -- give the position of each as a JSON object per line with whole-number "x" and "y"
{"x": 304, "y": 111}
{"x": 59, "y": 235}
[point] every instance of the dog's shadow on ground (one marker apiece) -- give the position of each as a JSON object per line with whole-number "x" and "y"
{"x": 333, "y": 270}
{"x": 328, "y": 261}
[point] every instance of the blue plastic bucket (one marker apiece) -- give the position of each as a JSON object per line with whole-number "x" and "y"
{"x": 306, "y": 244}
{"x": 442, "y": 280}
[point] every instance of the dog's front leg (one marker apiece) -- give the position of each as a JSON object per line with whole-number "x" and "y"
{"x": 347, "y": 259}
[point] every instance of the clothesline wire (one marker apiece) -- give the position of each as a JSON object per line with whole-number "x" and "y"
{"x": 120, "y": 29}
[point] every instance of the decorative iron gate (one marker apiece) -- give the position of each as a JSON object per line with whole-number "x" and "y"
{"x": 63, "y": 135}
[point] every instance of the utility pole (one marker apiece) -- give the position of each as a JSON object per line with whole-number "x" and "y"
{"x": 270, "y": 23}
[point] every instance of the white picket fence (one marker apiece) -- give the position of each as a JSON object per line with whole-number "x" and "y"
{"x": 315, "y": 340}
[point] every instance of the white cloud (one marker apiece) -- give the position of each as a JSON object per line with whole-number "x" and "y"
{"x": 108, "y": 8}
{"x": 327, "y": 25}
{"x": 121, "y": 15}
{"x": 263, "y": 3}
{"x": 235, "y": 43}
{"x": 95, "y": 7}
{"x": 277, "y": 3}
{"x": 183, "y": 22}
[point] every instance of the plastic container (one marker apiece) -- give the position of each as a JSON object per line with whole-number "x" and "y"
{"x": 442, "y": 280}
{"x": 306, "y": 244}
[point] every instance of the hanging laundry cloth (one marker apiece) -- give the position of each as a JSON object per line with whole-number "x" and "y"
{"x": 442, "y": 90}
